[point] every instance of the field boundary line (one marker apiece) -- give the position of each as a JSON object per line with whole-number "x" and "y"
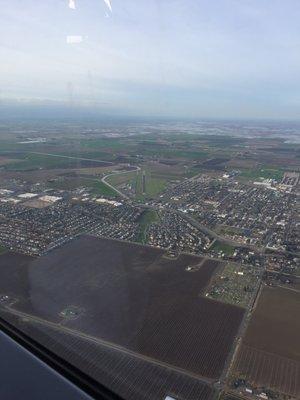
{"x": 270, "y": 353}
{"x": 110, "y": 345}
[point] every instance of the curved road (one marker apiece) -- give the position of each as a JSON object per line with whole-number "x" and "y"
{"x": 188, "y": 218}
{"x": 103, "y": 180}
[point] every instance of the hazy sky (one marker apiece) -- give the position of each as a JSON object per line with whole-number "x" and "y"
{"x": 194, "y": 58}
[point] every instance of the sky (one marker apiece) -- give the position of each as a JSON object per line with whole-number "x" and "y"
{"x": 177, "y": 58}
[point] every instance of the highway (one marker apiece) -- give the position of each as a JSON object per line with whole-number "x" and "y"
{"x": 187, "y": 217}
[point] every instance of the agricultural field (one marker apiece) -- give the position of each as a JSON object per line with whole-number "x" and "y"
{"x": 269, "y": 355}
{"x": 169, "y": 172}
{"x": 227, "y": 396}
{"x": 104, "y": 144}
{"x": 157, "y": 148}
{"x": 215, "y": 164}
{"x": 95, "y": 171}
{"x": 125, "y": 374}
{"x": 6, "y": 160}
{"x": 164, "y": 321}
{"x": 33, "y": 161}
{"x": 14, "y": 275}
{"x": 155, "y": 303}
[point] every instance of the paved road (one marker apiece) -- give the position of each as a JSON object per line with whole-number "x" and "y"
{"x": 222, "y": 239}
{"x": 72, "y": 157}
{"x": 190, "y": 219}
{"x": 207, "y": 231}
{"x": 103, "y": 180}
{"x": 241, "y": 331}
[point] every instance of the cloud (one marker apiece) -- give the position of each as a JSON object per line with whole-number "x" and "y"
{"x": 211, "y": 57}
{"x": 73, "y": 39}
{"x": 108, "y": 3}
{"x": 72, "y": 4}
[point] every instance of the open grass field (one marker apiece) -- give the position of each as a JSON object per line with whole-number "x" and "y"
{"x": 170, "y": 172}
{"x": 152, "y": 187}
{"x": 264, "y": 172}
{"x": 135, "y": 297}
{"x": 222, "y": 247}
{"x": 97, "y": 187}
{"x": 120, "y": 179}
{"x": 2, "y": 249}
{"x": 147, "y": 218}
{"x": 100, "y": 189}
{"x": 270, "y": 351}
